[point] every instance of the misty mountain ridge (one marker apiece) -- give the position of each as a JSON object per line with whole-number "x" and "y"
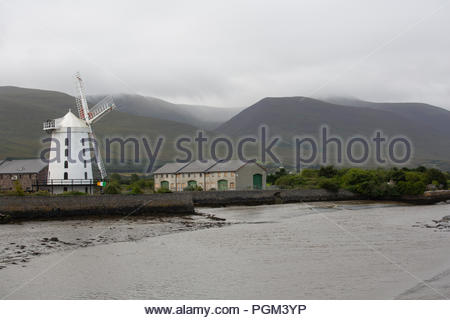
{"x": 23, "y": 111}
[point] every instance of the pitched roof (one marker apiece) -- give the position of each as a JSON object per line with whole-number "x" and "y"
{"x": 171, "y": 167}
{"x": 22, "y": 166}
{"x": 198, "y": 166}
{"x": 231, "y": 165}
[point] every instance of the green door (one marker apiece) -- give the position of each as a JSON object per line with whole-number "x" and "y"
{"x": 222, "y": 185}
{"x": 192, "y": 183}
{"x": 164, "y": 184}
{"x": 257, "y": 181}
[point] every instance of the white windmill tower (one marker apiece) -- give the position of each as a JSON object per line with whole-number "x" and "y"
{"x": 73, "y": 146}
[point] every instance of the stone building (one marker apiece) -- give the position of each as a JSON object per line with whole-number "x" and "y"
{"x": 211, "y": 175}
{"x": 27, "y": 172}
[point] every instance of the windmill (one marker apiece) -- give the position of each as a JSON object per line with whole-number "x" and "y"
{"x": 70, "y": 166}
{"x": 91, "y": 116}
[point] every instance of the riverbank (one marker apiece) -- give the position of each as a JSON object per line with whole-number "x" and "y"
{"x": 22, "y": 208}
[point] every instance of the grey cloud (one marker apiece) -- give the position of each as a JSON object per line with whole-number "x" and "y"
{"x": 230, "y": 53}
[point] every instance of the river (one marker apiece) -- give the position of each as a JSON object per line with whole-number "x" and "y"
{"x": 323, "y": 250}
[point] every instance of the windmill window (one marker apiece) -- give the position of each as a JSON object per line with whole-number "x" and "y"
{"x": 66, "y": 142}
{"x": 85, "y": 162}
{"x": 85, "y": 175}
{"x": 66, "y": 152}
{"x": 66, "y": 176}
{"x": 66, "y": 164}
{"x": 82, "y": 142}
{"x": 84, "y": 152}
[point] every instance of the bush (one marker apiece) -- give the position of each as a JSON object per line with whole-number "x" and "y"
{"x": 193, "y": 188}
{"x": 330, "y": 184}
{"x": 328, "y": 172}
{"x": 18, "y": 191}
{"x": 136, "y": 190}
{"x": 116, "y": 178}
{"x": 112, "y": 187}
{"x": 72, "y": 193}
{"x": 290, "y": 181}
{"x": 163, "y": 190}
{"x": 309, "y": 173}
{"x": 41, "y": 193}
{"x": 271, "y": 178}
{"x": 437, "y": 175}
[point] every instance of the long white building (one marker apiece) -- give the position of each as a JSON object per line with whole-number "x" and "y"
{"x": 211, "y": 175}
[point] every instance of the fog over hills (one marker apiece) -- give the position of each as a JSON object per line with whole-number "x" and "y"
{"x": 200, "y": 116}
{"x": 23, "y": 110}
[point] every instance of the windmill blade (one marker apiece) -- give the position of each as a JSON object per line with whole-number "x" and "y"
{"x": 82, "y": 105}
{"x": 100, "y": 109}
{"x": 97, "y": 155}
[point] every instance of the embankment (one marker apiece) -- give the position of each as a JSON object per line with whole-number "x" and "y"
{"x": 14, "y": 208}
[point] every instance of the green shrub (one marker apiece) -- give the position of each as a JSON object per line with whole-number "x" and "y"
{"x": 327, "y": 172}
{"x": 112, "y": 187}
{"x": 309, "y": 173}
{"x": 18, "y": 191}
{"x": 163, "y": 190}
{"x": 116, "y": 177}
{"x": 72, "y": 193}
{"x": 136, "y": 190}
{"x": 290, "y": 181}
{"x": 193, "y": 188}
{"x": 41, "y": 193}
{"x": 330, "y": 184}
{"x": 437, "y": 175}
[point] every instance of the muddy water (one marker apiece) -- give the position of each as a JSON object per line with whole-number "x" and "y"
{"x": 299, "y": 251}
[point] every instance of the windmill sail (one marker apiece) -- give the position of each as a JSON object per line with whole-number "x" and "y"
{"x": 82, "y": 105}
{"x": 100, "y": 109}
{"x": 90, "y": 116}
{"x": 97, "y": 155}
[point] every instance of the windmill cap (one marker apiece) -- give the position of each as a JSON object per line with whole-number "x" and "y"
{"x": 71, "y": 121}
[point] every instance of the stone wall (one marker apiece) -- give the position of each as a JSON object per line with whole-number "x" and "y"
{"x": 32, "y": 207}
{"x": 259, "y": 197}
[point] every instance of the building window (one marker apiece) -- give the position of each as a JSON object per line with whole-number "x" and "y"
{"x": 189, "y": 175}
{"x": 66, "y": 152}
{"x": 85, "y": 175}
{"x": 84, "y": 152}
{"x": 85, "y": 163}
{"x": 86, "y": 190}
{"x": 232, "y": 174}
{"x": 65, "y": 189}
{"x": 66, "y": 141}
{"x": 66, "y": 164}
{"x": 200, "y": 175}
{"x": 167, "y": 175}
{"x": 82, "y": 142}
{"x": 224, "y": 174}
{"x": 66, "y": 176}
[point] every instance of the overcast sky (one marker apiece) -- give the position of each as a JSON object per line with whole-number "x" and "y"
{"x": 231, "y": 53}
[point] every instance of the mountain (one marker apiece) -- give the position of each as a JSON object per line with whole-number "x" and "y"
{"x": 198, "y": 116}
{"x": 425, "y": 125}
{"x": 24, "y": 110}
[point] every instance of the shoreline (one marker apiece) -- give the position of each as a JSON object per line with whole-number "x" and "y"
{"x": 29, "y": 208}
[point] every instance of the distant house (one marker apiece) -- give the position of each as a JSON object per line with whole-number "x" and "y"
{"x": 28, "y": 172}
{"x": 211, "y": 175}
